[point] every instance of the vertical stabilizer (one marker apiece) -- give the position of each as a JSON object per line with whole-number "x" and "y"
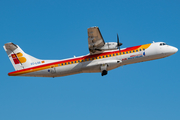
{"x": 19, "y": 58}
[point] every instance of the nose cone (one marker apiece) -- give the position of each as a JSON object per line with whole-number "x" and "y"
{"x": 170, "y": 50}
{"x": 174, "y": 49}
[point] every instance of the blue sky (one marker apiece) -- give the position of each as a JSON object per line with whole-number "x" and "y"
{"x": 49, "y": 29}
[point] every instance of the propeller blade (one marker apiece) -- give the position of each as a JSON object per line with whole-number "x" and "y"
{"x": 119, "y": 49}
{"x": 118, "y": 43}
{"x": 117, "y": 40}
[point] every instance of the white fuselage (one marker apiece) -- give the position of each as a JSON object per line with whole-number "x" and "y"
{"x": 93, "y": 64}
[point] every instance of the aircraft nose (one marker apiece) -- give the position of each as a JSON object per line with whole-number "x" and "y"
{"x": 170, "y": 50}
{"x": 174, "y": 49}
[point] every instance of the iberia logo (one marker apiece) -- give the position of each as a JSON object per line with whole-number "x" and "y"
{"x": 18, "y": 58}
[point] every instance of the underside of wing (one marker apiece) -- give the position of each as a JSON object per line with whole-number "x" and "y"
{"x": 95, "y": 40}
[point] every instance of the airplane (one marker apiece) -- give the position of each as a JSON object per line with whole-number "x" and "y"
{"x": 102, "y": 58}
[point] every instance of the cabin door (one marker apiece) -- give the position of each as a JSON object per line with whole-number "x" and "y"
{"x": 53, "y": 69}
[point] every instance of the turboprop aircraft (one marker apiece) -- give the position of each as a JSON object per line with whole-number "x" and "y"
{"x": 103, "y": 57}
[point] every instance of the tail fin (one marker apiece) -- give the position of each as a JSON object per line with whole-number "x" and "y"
{"x": 19, "y": 58}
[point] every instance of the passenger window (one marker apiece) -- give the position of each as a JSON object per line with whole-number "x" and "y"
{"x": 72, "y": 62}
{"x": 127, "y": 52}
{"x": 139, "y": 49}
{"x": 116, "y": 53}
{"x": 78, "y": 60}
{"x": 123, "y": 52}
{"x": 133, "y": 51}
{"x": 106, "y": 55}
{"x": 75, "y": 61}
{"x": 65, "y": 63}
{"x": 99, "y": 57}
{"x": 62, "y": 64}
{"x": 92, "y": 58}
{"x": 109, "y": 55}
{"x": 103, "y": 56}
{"x": 68, "y": 62}
{"x": 136, "y": 50}
{"x": 143, "y": 49}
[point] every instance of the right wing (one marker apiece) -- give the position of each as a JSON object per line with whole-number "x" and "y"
{"x": 95, "y": 40}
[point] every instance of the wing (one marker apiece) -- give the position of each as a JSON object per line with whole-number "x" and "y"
{"x": 95, "y": 40}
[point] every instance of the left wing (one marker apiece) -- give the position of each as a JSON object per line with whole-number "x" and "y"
{"x": 95, "y": 40}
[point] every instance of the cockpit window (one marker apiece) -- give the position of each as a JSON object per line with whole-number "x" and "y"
{"x": 162, "y": 44}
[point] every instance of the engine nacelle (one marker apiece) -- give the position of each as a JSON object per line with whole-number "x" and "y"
{"x": 109, "y": 46}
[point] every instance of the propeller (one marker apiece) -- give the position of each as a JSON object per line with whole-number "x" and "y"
{"x": 118, "y": 43}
